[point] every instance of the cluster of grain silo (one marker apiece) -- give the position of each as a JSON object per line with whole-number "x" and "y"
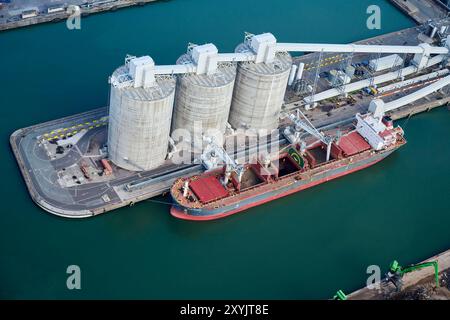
{"x": 201, "y": 92}
{"x": 202, "y": 101}
{"x": 259, "y": 92}
{"x": 139, "y": 119}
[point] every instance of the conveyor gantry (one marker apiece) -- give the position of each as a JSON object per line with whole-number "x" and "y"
{"x": 262, "y": 48}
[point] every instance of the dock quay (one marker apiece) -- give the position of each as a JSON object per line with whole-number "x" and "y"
{"x": 422, "y": 10}
{"x": 410, "y": 36}
{"x": 68, "y": 179}
{"x": 419, "y": 284}
{"x": 86, "y": 9}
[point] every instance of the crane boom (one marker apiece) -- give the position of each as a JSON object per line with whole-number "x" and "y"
{"x": 307, "y": 126}
{"x": 396, "y": 269}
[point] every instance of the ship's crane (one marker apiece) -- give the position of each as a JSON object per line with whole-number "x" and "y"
{"x": 396, "y": 272}
{"x": 214, "y": 155}
{"x": 293, "y": 134}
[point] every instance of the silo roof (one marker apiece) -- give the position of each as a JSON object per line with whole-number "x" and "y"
{"x": 281, "y": 63}
{"x": 224, "y": 74}
{"x": 165, "y": 85}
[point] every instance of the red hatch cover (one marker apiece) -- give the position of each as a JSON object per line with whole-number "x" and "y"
{"x": 208, "y": 189}
{"x": 353, "y": 143}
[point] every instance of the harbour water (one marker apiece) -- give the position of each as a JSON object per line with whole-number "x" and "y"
{"x": 307, "y": 245}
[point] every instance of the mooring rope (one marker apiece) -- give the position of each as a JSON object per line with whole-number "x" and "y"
{"x": 161, "y": 202}
{"x": 405, "y": 124}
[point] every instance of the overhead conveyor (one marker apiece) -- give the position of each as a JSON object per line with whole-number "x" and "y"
{"x": 263, "y": 48}
{"x": 378, "y": 107}
{"x": 357, "y": 48}
{"x": 383, "y": 78}
{"x": 417, "y": 95}
{"x": 236, "y": 57}
{"x": 176, "y": 69}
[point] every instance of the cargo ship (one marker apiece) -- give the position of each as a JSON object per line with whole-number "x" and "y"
{"x": 226, "y": 189}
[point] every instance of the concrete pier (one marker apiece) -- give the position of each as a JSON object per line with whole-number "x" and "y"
{"x": 421, "y": 10}
{"x": 410, "y": 280}
{"x": 57, "y": 183}
{"x": 63, "y": 15}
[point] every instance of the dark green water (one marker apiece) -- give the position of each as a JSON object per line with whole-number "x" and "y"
{"x": 307, "y": 245}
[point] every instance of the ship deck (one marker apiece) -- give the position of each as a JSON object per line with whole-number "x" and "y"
{"x": 230, "y": 196}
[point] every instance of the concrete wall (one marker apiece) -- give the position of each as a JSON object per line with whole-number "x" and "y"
{"x": 259, "y": 93}
{"x": 203, "y": 99}
{"x": 139, "y": 127}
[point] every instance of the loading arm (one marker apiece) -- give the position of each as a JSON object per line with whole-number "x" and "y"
{"x": 396, "y": 272}
{"x": 307, "y": 126}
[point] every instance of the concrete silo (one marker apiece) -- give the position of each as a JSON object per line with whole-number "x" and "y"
{"x": 259, "y": 92}
{"x": 203, "y": 100}
{"x": 140, "y": 114}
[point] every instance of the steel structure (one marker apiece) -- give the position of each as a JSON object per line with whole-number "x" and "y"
{"x": 264, "y": 48}
{"x": 301, "y": 122}
{"x": 214, "y": 156}
{"x": 354, "y": 86}
{"x": 142, "y": 93}
{"x": 419, "y": 94}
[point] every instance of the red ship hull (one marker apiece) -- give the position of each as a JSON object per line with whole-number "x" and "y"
{"x": 181, "y": 215}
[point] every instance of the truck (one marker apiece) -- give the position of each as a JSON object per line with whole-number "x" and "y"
{"x": 107, "y": 170}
